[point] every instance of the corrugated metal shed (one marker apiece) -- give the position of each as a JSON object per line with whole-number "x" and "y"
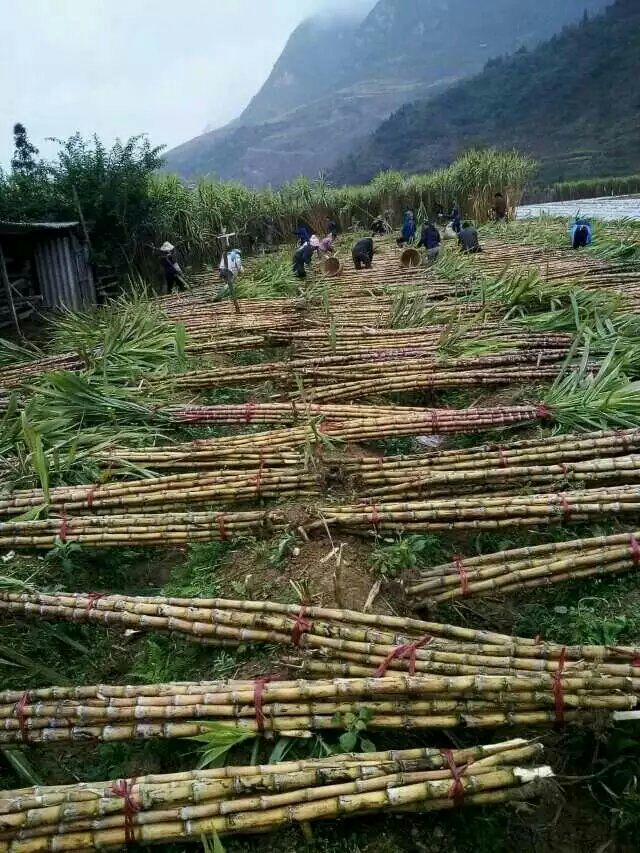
{"x": 61, "y": 259}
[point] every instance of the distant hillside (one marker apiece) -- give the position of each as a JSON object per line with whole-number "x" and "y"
{"x": 573, "y": 102}
{"x": 337, "y": 80}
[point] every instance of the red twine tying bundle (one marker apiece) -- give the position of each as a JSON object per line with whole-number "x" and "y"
{"x": 503, "y": 457}
{"x": 259, "y": 474}
{"x": 456, "y": 791}
{"x": 221, "y": 527}
{"x": 558, "y": 690}
{"x": 249, "y": 411}
{"x": 92, "y": 600}
{"x": 566, "y": 506}
{"x": 543, "y": 412}
{"x": 124, "y": 788}
{"x": 407, "y": 650}
{"x": 300, "y": 626}
{"x": 375, "y": 515}
{"x": 258, "y": 690}
{"x": 635, "y": 549}
{"x": 565, "y": 469}
{"x": 64, "y": 527}
{"x": 434, "y": 421}
{"x": 464, "y": 577}
{"x": 90, "y": 496}
{"x": 20, "y": 710}
{"x": 537, "y": 640}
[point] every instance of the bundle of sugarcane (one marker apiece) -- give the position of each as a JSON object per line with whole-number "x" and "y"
{"x": 348, "y": 643}
{"x": 204, "y": 318}
{"x": 526, "y": 568}
{"x": 289, "y": 412}
{"x": 160, "y": 494}
{"x": 483, "y": 512}
{"x": 378, "y": 366}
{"x": 188, "y": 806}
{"x": 12, "y": 376}
{"x": 552, "y": 462}
{"x": 295, "y": 708}
{"x": 560, "y": 447}
{"x": 166, "y": 528}
{"x": 362, "y": 333}
{"x": 406, "y": 377}
{"x": 270, "y": 444}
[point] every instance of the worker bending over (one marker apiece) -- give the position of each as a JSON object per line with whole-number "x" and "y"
{"x": 430, "y": 239}
{"x": 362, "y": 253}
{"x": 468, "y": 239}
{"x": 302, "y": 259}
{"x": 581, "y": 234}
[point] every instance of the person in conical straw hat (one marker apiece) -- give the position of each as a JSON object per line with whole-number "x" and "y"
{"x": 171, "y": 268}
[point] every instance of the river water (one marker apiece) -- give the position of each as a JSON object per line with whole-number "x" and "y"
{"x": 607, "y": 207}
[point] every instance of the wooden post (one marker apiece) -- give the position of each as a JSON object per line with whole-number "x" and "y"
{"x": 7, "y": 286}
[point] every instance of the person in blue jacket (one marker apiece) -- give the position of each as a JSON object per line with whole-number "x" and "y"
{"x": 455, "y": 216}
{"x": 408, "y": 233}
{"x": 430, "y": 239}
{"x": 303, "y": 233}
{"x": 581, "y": 233}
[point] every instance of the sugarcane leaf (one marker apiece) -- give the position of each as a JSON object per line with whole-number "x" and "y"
{"x": 348, "y": 741}
{"x": 18, "y": 761}
{"x": 212, "y": 844}
{"x": 49, "y": 675}
{"x": 32, "y": 514}
{"x": 283, "y": 746}
{"x": 219, "y": 739}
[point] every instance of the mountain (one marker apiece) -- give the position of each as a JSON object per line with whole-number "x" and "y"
{"x": 338, "y": 79}
{"x": 573, "y": 103}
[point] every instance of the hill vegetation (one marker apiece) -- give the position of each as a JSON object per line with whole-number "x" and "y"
{"x": 573, "y": 103}
{"x": 337, "y": 80}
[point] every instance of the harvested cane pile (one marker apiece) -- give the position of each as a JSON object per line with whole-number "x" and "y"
{"x": 187, "y": 806}
{"x": 163, "y": 494}
{"x": 365, "y": 647}
{"x": 346, "y": 377}
{"x": 551, "y": 462}
{"x": 281, "y": 444}
{"x": 483, "y": 511}
{"x": 526, "y": 568}
{"x": 110, "y": 713}
{"x": 150, "y": 528}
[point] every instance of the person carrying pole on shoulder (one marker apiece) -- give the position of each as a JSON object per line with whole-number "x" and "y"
{"x": 230, "y": 267}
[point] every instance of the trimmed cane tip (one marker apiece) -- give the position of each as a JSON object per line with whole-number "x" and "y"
{"x": 530, "y": 774}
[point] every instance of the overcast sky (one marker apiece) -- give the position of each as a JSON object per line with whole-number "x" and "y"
{"x": 167, "y": 68}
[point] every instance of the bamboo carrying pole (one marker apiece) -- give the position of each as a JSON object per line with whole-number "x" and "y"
{"x": 186, "y": 806}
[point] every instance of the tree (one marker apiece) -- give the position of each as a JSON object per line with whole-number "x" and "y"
{"x": 25, "y": 153}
